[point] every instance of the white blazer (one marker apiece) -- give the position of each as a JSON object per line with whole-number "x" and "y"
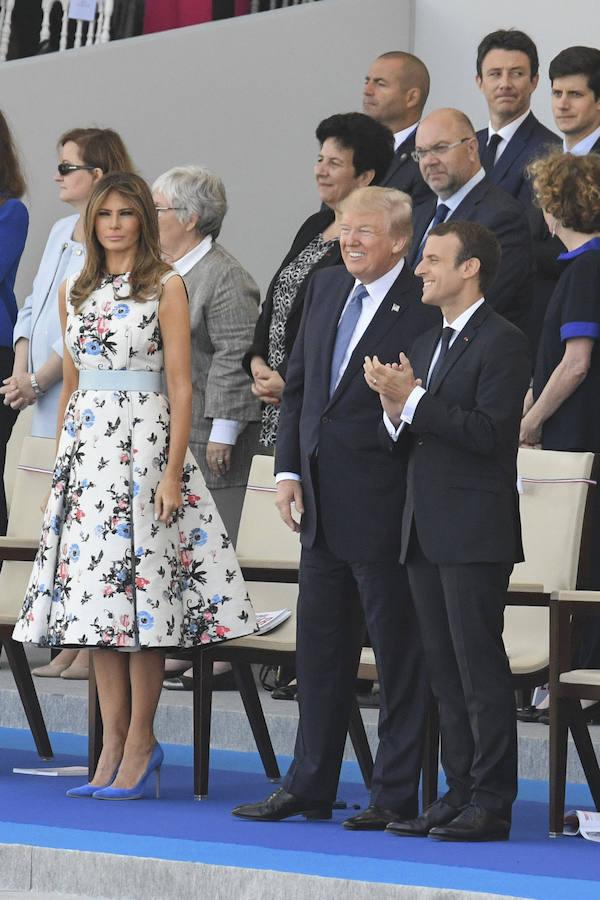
{"x": 38, "y": 319}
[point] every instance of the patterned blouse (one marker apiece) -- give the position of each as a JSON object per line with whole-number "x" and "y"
{"x": 284, "y": 294}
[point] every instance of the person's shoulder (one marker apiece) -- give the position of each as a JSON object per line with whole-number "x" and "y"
{"x": 63, "y": 228}
{"x": 499, "y": 327}
{"x": 14, "y": 209}
{"x": 329, "y": 276}
{"x": 543, "y": 134}
{"x": 219, "y": 256}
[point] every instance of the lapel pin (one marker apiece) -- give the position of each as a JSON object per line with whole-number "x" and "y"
{"x": 466, "y": 339}
{"x": 395, "y": 307}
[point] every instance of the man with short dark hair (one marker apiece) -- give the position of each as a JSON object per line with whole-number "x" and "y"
{"x": 507, "y": 76}
{"x": 395, "y": 93}
{"x": 575, "y": 78}
{"x": 446, "y": 148}
{"x": 332, "y": 470}
{"x": 454, "y": 410}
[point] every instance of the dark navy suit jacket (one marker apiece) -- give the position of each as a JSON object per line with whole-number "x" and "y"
{"x": 350, "y": 482}
{"x": 404, "y": 173}
{"x": 510, "y": 294}
{"x": 530, "y": 140}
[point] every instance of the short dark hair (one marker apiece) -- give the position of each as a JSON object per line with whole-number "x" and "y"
{"x": 477, "y": 242}
{"x": 12, "y": 182}
{"x": 578, "y": 61}
{"x": 508, "y": 39}
{"x": 372, "y": 144}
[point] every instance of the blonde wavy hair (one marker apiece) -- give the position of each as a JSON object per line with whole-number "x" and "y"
{"x": 568, "y": 187}
{"x": 148, "y": 268}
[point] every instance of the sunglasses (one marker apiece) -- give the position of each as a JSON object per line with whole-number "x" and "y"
{"x": 66, "y": 168}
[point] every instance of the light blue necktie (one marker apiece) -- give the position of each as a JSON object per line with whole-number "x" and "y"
{"x": 345, "y": 330}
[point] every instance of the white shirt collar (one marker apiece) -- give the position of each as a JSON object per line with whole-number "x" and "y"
{"x": 401, "y": 136}
{"x": 508, "y": 131}
{"x": 189, "y": 260}
{"x": 457, "y": 198}
{"x": 585, "y": 145}
{"x": 460, "y": 321}
{"x": 378, "y": 289}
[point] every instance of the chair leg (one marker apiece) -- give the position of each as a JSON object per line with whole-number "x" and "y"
{"x": 559, "y": 733}
{"x": 95, "y": 729}
{"x": 246, "y": 685}
{"x": 358, "y": 736}
{"x": 15, "y": 654}
{"x": 202, "y": 702}
{"x": 585, "y": 749}
{"x": 430, "y": 767}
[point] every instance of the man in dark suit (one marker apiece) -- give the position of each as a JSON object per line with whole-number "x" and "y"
{"x": 507, "y": 76}
{"x": 446, "y": 147}
{"x": 395, "y": 93}
{"x": 456, "y": 406}
{"x": 331, "y": 467}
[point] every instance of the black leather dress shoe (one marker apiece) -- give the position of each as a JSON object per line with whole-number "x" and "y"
{"x": 439, "y": 813}
{"x": 473, "y": 824}
{"x": 373, "y": 818}
{"x": 282, "y": 805}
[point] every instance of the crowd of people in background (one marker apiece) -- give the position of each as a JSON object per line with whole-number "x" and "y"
{"x": 407, "y": 202}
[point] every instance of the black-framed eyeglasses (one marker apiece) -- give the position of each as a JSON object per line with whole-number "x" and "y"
{"x": 67, "y": 168}
{"x": 166, "y": 208}
{"x": 437, "y": 150}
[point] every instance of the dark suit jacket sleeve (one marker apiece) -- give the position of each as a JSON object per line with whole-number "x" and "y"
{"x": 501, "y": 385}
{"x": 287, "y": 452}
{"x": 511, "y": 229}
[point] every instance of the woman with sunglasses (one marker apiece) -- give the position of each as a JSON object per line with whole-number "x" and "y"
{"x": 84, "y": 156}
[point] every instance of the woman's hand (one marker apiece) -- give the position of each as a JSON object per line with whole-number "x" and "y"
{"x": 218, "y": 458}
{"x": 168, "y": 498}
{"x": 17, "y": 391}
{"x": 268, "y": 384}
{"x": 531, "y": 431}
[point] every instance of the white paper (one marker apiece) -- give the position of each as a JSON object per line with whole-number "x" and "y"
{"x": 79, "y": 771}
{"x": 267, "y": 621}
{"x": 583, "y": 822}
{"x": 83, "y": 9}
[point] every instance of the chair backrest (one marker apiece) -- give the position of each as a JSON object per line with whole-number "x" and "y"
{"x": 31, "y": 485}
{"x": 263, "y": 539}
{"x": 552, "y": 504}
{"x": 21, "y": 428}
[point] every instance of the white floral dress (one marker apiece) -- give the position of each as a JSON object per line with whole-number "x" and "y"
{"x": 106, "y": 573}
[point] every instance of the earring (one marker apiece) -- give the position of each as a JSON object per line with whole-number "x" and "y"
{"x": 554, "y": 227}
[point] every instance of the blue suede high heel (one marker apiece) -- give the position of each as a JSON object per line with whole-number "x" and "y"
{"x": 137, "y": 791}
{"x": 88, "y": 790}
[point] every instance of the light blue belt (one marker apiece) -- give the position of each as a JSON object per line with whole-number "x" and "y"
{"x": 120, "y": 380}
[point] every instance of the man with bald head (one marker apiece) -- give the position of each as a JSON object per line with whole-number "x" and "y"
{"x": 395, "y": 92}
{"x": 447, "y": 152}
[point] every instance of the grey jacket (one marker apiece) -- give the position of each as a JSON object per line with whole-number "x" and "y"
{"x": 224, "y": 301}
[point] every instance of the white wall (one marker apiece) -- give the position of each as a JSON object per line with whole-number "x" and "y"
{"x": 447, "y": 33}
{"x": 241, "y": 96}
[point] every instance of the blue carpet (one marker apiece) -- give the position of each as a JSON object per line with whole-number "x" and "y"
{"x": 34, "y": 810}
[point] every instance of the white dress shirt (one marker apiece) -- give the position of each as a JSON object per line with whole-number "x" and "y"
{"x": 585, "y": 145}
{"x": 401, "y": 136}
{"x": 416, "y": 394}
{"x": 223, "y": 431}
{"x": 377, "y": 291}
{"x": 506, "y": 133}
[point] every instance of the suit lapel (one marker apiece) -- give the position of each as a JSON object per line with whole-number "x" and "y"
{"x": 422, "y": 216}
{"x": 387, "y": 317}
{"x": 401, "y": 157}
{"x": 460, "y": 345}
{"x": 332, "y": 310}
{"x": 514, "y": 148}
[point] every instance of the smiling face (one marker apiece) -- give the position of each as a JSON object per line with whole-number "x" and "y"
{"x": 117, "y": 225}
{"x": 443, "y": 280}
{"x": 335, "y": 174}
{"x": 75, "y": 187}
{"x": 446, "y": 170}
{"x": 575, "y": 108}
{"x": 369, "y": 248}
{"x": 506, "y": 84}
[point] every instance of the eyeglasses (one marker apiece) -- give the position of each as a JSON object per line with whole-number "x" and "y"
{"x": 166, "y": 208}
{"x": 66, "y": 168}
{"x": 437, "y": 150}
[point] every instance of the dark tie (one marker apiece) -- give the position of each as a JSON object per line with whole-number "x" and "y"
{"x": 488, "y": 157}
{"x": 345, "y": 330}
{"x": 440, "y": 214}
{"x": 447, "y": 335}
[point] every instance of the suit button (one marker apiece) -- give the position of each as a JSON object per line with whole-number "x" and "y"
{"x": 420, "y": 443}
{"x": 325, "y": 420}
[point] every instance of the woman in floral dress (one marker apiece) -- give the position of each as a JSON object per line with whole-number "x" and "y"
{"x": 133, "y": 554}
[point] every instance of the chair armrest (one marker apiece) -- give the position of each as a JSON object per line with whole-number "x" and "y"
{"x": 18, "y": 549}
{"x": 525, "y": 587}
{"x": 255, "y": 570}
{"x": 589, "y": 597}
{"x": 526, "y": 594}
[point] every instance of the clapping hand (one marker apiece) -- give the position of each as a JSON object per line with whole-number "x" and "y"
{"x": 394, "y": 383}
